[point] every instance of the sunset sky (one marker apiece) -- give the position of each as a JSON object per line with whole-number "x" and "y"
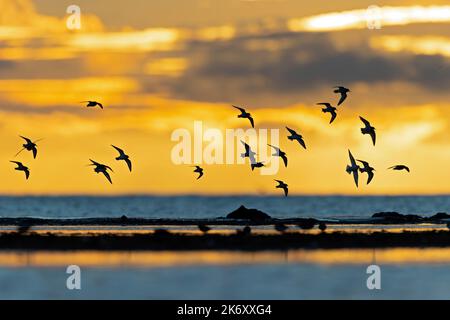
{"x": 161, "y": 65}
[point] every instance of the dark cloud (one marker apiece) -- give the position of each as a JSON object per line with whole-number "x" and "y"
{"x": 296, "y": 64}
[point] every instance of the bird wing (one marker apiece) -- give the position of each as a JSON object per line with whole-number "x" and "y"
{"x": 26, "y": 139}
{"x": 252, "y": 158}
{"x": 95, "y": 163}
{"x": 302, "y": 142}
{"x": 27, "y": 173}
{"x": 373, "y": 135}
{"x": 406, "y": 168}
{"x": 240, "y": 109}
{"x": 107, "y": 176}
{"x": 286, "y": 190}
{"x": 247, "y": 147}
{"x": 122, "y": 153}
{"x": 128, "y": 161}
{"x": 370, "y": 176}
{"x": 251, "y": 121}
{"x": 16, "y": 162}
{"x": 352, "y": 160}
{"x": 355, "y": 177}
{"x": 343, "y": 97}
{"x": 366, "y": 123}
{"x": 291, "y": 131}
{"x": 34, "y": 152}
{"x": 326, "y": 104}
{"x": 200, "y": 174}
{"x": 100, "y": 105}
{"x": 276, "y": 149}
{"x": 285, "y": 159}
{"x": 365, "y": 163}
{"x": 333, "y": 116}
{"x": 108, "y": 168}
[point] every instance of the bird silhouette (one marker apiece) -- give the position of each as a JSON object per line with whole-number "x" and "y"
{"x": 245, "y": 115}
{"x": 353, "y": 168}
{"x": 329, "y": 108}
{"x": 256, "y": 165}
{"x": 343, "y": 92}
{"x": 368, "y": 129}
{"x": 399, "y": 167}
{"x": 367, "y": 169}
{"x": 91, "y": 104}
{"x": 21, "y": 167}
{"x": 101, "y": 168}
{"x": 248, "y": 153}
{"x": 198, "y": 170}
{"x": 283, "y": 186}
{"x": 29, "y": 146}
{"x": 123, "y": 156}
{"x": 279, "y": 153}
{"x": 295, "y": 136}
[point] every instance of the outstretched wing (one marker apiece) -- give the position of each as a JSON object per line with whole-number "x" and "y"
{"x": 19, "y": 152}
{"x": 100, "y": 105}
{"x": 27, "y": 173}
{"x": 343, "y": 97}
{"x": 302, "y": 142}
{"x": 27, "y": 140}
{"x": 200, "y": 174}
{"x": 247, "y": 147}
{"x": 94, "y": 163}
{"x": 291, "y": 131}
{"x": 34, "y": 152}
{"x": 352, "y": 160}
{"x": 373, "y": 135}
{"x": 365, "y": 163}
{"x": 326, "y": 104}
{"x": 276, "y": 149}
{"x": 118, "y": 150}
{"x": 370, "y": 177}
{"x": 107, "y": 176}
{"x": 16, "y": 162}
{"x": 355, "y": 177}
{"x": 128, "y": 161}
{"x": 251, "y": 121}
{"x": 286, "y": 190}
{"x": 285, "y": 159}
{"x": 333, "y": 116}
{"x": 240, "y": 109}
{"x": 366, "y": 123}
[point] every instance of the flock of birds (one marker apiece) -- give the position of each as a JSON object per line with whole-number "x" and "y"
{"x": 353, "y": 168}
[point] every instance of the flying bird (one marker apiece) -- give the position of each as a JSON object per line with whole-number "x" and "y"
{"x": 295, "y": 136}
{"x": 399, "y": 167}
{"x": 248, "y": 153}
{"x": 123, "y": 156}
{"x": 353, "y": 168}
{"x": 367, "y": 169}
{"x": 21, "y": 167}
{"x": 198, "y": 170}
{"x": 283, "y": 186}
{"x": 29, "y": 146}
{"x": 245, "y": 115}
{"x": 368, "y": 129}
{"x": 280, "y": 154}
{"x": 329, "y": 108}
{"x": 343, "y": 92}
{"x": 91, "y": 104}
{"x": 102, "y": 168}
{"x": 257, "y": 165}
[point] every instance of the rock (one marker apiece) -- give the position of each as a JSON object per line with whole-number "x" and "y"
{"x": 439, "y": 216}
{"x": 397, "y": 217}
{"x": 248, "y": 214}
{"x": 307, "y": 224}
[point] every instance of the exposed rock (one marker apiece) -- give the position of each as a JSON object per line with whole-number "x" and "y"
{"x": 397, "y": 217}
{"x": 307, "y": 224}
{"x": 248, "y": 214}
{"x": 439, "y": 216}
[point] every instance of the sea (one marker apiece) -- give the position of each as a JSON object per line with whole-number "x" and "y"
{"x": 402, "y": 273}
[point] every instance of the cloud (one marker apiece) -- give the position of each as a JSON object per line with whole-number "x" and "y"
{"x": 296, "y": 64}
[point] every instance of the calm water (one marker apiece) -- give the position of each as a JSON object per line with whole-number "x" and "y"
{"x": 211, "y": 207}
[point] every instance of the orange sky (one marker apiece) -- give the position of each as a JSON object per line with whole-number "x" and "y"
{"x": 163, "y": 71}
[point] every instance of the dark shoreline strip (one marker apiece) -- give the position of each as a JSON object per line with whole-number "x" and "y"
{"x": 257, "y": 242}
{"x": 194, "y": 222}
